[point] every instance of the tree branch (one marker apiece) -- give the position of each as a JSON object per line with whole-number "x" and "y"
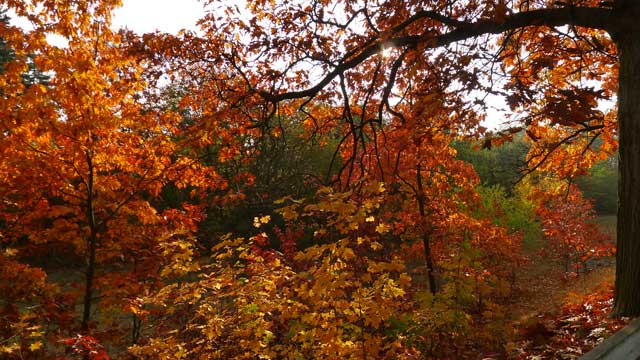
{"x": 597, "y": 18}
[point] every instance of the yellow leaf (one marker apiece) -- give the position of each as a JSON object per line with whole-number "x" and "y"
{"x": 288, "y": 212}
{"x": 281, "y": 200}
{"x": 394, "y": 291}
{"x": 375, "y": 187}
{"x": 35, "y": 346}
{"x": 10, "y": 252}
{"x": 9, "y": 348}
{"x": 381, "y": 188}
{"x": 382, "y": 228}
{"x": 370, "y": 219}
{"x": 370, "y": 204}
{"x": 348, "y": 254}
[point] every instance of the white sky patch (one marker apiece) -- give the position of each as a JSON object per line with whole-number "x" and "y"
{"x": 142, "y": 16}
{"x": 171, "y": 16}
{"x": 53, "y": 39}
{"x": 497, "y": 113}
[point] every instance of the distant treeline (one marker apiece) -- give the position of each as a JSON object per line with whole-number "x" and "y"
{"x": 502, "y": 166}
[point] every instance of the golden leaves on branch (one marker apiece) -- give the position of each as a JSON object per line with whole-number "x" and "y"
{"x": 330, "y": 300}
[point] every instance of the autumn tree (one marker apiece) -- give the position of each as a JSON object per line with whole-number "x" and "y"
{"x": 392, "y": 84}
{"x": 5, "y": 53}
{"x": 286, "y": 161}
{"x": 572, "y": 235}
{"x": 330, "y": 299}
{"x": 499, "y": 166}
{"x": 83, "y": 157}
{"x": 552, "y": 61}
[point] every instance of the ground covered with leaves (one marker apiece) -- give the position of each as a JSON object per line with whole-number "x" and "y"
{"x": 570, "y": 330}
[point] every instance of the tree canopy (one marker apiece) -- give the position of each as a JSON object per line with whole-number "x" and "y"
{"x": 330, "y": 126}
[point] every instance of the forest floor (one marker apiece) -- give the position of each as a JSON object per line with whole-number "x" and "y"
{"x": 547, "y": 287}
{"x": 562, "y": 318}
{"x": 548, "y": 290}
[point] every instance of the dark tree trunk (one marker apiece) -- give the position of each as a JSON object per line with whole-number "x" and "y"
{"x": 627, "y": 293}
{"x": 426, "y": 233}
{"x": 91, "y": 247}
{"x": 433, "y": 285}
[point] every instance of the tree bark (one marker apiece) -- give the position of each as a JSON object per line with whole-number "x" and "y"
{"x": 426, "y": 236}
{"x": 91, "y": 247}
{"x": 627, "y": 289}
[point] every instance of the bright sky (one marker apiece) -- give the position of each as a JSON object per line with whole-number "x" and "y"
{"x": 143, "y": 16}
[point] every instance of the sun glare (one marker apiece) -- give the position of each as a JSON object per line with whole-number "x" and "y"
{"x": 386, "y": 52}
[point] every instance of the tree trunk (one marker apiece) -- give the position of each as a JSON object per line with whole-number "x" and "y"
{"x": 627, "y": 293}
{"x": 91, "y": 248}
{"x": 433, "y": 286}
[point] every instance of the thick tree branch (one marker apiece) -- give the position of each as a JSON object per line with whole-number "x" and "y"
{"x": 597, "y": 18}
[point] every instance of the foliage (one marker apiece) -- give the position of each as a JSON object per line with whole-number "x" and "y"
{"x": 348, "y": 295}
{"x": 505, "y": 166}
{"x": 30, "y": 309}
{"x": 601, "y": 185}
{"x": 468, "y": 316}
{"x": 87, "y": 347}
{"x": 102, "y": 165}
{"x": 285, "y": 161}
{"x": 31, "y": 75}
{"x": 579, "y": 327}
{"x": 499, "y": 166}
{"x": 333, "y": 299}
{"x": 515, "y": 213}
{"x": 93, "y": 157}
{"x": 573, "y": 236}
